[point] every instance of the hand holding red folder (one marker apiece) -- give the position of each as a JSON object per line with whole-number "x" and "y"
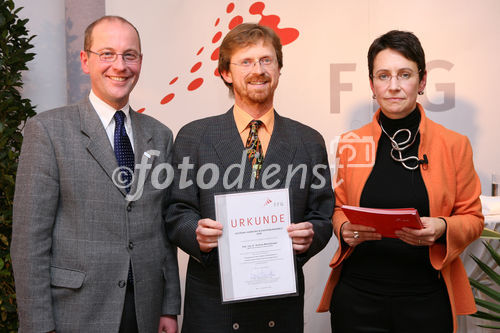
{"x": 433, "y": 229}
{"x": 385, "y": 221}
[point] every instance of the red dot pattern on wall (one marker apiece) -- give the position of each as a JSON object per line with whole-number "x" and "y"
{"x": 287, "y": 36}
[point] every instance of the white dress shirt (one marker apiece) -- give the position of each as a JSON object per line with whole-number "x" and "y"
{"x": 106, "y": 114}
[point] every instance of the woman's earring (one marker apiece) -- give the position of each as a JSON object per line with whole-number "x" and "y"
{"x": 420, "y": 92}
{"x": 374, "y": 96}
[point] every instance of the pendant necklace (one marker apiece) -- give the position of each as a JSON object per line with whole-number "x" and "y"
{"x": 399, "y": 147}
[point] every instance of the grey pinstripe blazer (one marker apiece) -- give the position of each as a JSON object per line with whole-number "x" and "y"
{"x": 74, "y": 232}
{"x": 216, "y": 140}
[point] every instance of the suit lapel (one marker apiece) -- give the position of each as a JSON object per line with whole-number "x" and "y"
{"x": 229, "y": 146}
{"x": 280, "y": 151}
{"x": 143, "y": 142}
{"x": 100, "y": 148}
{"x": 98, "y": 144}
{"x": 227, "y": 143}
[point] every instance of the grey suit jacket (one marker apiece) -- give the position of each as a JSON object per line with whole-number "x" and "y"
{"x": 75, "y": 233}
{"x": 216, "y": 140}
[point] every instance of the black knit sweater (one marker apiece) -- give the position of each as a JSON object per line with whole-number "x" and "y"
{"x": 390, "y": 266}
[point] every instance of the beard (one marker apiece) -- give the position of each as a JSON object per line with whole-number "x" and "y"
{"x": 260, "y": 94}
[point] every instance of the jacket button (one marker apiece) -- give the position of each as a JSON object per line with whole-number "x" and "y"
{"x": 236, "y": 326}
{"x": 122, "y": 283}
{"x": 129, "y": 208}
{"x": 271, "y": 323}
{"x": 131, "y": 245}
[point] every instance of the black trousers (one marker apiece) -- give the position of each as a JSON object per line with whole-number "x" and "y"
{"x": 356, "y": 311}
{"x": 128, "y": 322}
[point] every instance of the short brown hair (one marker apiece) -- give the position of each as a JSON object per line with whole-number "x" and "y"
{"x": 244, "y": 35}
{"x": 403, "y": 42}
{"x": 87, "y": 43}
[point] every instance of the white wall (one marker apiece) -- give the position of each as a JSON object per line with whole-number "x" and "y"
{"x": 45, "y": 83}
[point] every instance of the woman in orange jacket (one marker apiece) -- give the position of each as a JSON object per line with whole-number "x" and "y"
{"x": 415, "y": 282}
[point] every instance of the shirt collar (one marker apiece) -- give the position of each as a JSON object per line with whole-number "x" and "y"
{"x": 242, "y": 119}
{"x": 105, "y": 111}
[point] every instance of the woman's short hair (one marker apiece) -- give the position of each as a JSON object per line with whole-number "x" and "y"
{"x": 403, "y": 42}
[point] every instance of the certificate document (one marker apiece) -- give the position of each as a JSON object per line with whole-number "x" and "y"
{"x": 255, "y": 252}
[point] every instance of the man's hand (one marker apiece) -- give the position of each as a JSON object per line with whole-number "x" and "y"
{"x": 302, "y": 235}
{"x": 168, "y": 324}
{"x": 207, "y": 234}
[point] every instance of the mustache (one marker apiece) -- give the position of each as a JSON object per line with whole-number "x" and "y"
{"x": 257, "y": 77}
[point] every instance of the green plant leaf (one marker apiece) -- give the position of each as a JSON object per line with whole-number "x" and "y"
{"x": 489, "y": 233}
{"x": 4, "y": 240}
{"x": 488, "y": 270}
{"x": 492, "y": 327}
{"x": 9, "y": 307}
{"x": 485, "y": 290}
{"x": 488, "y": 305}
{"x": 485, "y": 315}
{"x": 493, "y": 253}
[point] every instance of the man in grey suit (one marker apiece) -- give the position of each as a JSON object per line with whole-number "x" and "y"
{"x": 249, "y": 63}
{"x": 89, "y": 248}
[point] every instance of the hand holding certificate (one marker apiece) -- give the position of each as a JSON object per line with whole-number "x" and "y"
{"x": 255, "y": 251}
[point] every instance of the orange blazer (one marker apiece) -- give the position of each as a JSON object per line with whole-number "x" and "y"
{"x": 453, "y": 188}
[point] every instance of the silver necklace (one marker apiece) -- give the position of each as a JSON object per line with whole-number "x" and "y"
{"x": 399, "y": 147}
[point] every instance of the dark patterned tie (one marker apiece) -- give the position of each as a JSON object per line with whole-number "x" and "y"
{"x": 125, "y": 158}
{"x": 123, "y": 151}
{"x": 254, "y": 148}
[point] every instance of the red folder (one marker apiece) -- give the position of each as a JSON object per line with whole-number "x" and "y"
{"x": 385, "y": 221}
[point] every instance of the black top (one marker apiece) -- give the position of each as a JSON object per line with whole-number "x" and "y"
{"x": 391, "y": 266}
